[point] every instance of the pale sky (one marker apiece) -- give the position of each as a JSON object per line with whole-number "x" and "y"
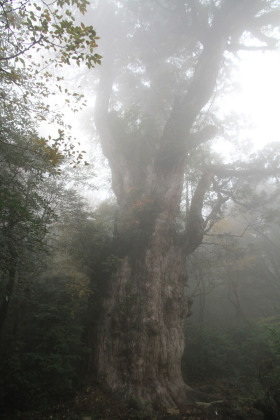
{"x": 258, "y": 98}
{"x": 260, "y": 95}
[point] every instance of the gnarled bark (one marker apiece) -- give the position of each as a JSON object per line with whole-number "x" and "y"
{"x": 140, "y": 337}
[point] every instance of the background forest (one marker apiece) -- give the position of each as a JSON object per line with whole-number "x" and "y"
{"x": 60, "y": 248}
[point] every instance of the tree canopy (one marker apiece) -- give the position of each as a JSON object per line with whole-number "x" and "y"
{"x": 34, "y": 37}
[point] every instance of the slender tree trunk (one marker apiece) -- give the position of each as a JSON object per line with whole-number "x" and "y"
{"x": 7, "y": 295}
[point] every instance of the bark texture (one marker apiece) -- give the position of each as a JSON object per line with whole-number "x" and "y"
{"x": 140, "y": 339}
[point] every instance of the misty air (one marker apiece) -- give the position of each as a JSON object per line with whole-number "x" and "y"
{"x": 139, "y": 209}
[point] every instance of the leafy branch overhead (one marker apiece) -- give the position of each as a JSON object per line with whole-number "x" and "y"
{"x": 38, "y": 38}
{"x": 48, "y": 25}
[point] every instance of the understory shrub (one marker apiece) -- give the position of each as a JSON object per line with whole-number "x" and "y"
{"x": 235, "y": 355}
{"x": 41, "y": 361}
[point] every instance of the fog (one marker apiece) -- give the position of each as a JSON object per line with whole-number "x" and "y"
{"x": 140, "y": 209}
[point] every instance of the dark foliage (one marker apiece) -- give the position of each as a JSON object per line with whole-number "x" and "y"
{"x": 42, "y": 352}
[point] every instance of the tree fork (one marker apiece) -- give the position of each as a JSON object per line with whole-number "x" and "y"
{"x": 140, "y": 337}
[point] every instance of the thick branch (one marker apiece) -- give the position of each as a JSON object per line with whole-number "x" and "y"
{"x": 202, "y": 136}
{"x": 224, "y": 171}
{"x": 240, "y": 47}
{"x": 194, "y": 232}
{"x": 102, "y": 105}
{"x": 200, "y": 91}
{"x": 186, "y": 109}
{"x": 107, "y": 139}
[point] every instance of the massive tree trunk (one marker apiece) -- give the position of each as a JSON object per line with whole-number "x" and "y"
{"x": 141, "y": 340}
{"x": 140, "y": 337}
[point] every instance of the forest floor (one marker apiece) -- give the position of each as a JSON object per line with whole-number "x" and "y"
{"x": 93, "y": 404}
